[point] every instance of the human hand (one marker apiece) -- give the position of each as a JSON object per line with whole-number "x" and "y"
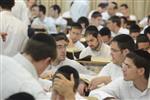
{"x": 82, "y": 88}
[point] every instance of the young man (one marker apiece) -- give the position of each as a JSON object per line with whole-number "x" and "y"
{"x": 24, "y": 69}
{"x": 135, "y": 82}
{"x": 15, "y": 30}
{"x": 95, "y": 45}
{"x": 61, "y": 59}
{"x": 65, "y": 74}
{"x": 75, "y": 34}
{"x": 120, "y": 46}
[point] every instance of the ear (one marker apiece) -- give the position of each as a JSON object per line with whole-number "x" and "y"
{"x": 141, "y": 71}
{"x": 125, "y": 52}
{"x": 48, "y": 60}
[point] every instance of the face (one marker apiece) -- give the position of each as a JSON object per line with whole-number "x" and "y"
{"x": 110, "y": 25}
{"x": 96, "y": 21}
{"x": 92, "y": 42}
{"x": 105, "y": 39}
{"x": 61, "y": 49}
{"x": 143, "y": 45}
{"x": 111, "y": 9}
{"x": 134, "y": 35}
{"x": 116, "y": 53}
{"x": 123, "y": 10}
{"x": 75, "y": 34}
{"x": 130, "y": 71}
{"x": 35, "y": 11}
{"x": 52, "y": 12}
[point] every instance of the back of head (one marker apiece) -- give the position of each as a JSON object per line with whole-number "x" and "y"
{"x": 67, "y": 70}
{"x": 42, "y": 8}
{"x": 21, "y": 96}
{"x": 147, "y": 30}
{"x": 116, "y": 19}
{"x": 7, "y": 4}
{"x": 96, "y": 14}
{"x": 124, "y": 42}
{"x": 91, "y": 30}
{"x": 141, "y": 59}
{"x": 84, "y": 20}
{"x": 41, "y": 46}
{"x": 105, "y": 31}
{"x": 134, "y": 28}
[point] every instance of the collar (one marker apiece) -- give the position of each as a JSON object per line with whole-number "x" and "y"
{"x": 26, "y": 64}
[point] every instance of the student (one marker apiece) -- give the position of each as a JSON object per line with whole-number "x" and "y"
{"x": 135, "y": 82}
{"x": 61, "y": 90}
{"x": 96, "y": 47}
{"x": 120, "y": 46}
{"x": 75, "y": 34}
{"x": 15, "y": 29}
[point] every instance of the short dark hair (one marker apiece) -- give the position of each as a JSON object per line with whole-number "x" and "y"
{"x": 116, "y": 19}
{"x": 91, "y": 30}
{"x": 103, "y": 5}
{"x": 21, "y": 96}
{"x": 60, "y": 36}
{"x": 124, "y": 5}
{"x": 142, "y": 38}
{"x": 76, "y": 26}
{"x": 134, "y": 28}
{"x": 83, "y": 20}
{"x": 96, "y": 14}
{"x": 41, "y": 46}
{"x": 141, "y": 59}
{"x": 67, "y": 70}
{"x": 147, "y": 30}
{"x": 124, "y": 42}
{"x": 105, "y": 31}
{"x": 7, "y": 4}
{"x": 115, "y": 5}
{"x": 56, "y": 7}
{"x": 42, "y": 8}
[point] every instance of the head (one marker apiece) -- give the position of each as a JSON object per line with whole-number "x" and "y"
{"x": 7, "y": 4}
{"x": 42, "y": 10}
{"x": 147, "y": 32}
{"x": 136, "y": 65}
{"x": 21, "y": 96}
{"x": 66, "y": 71}
{"x": 112, "y": 8}
{"x": 113, "y": 23}
{"x": 61, "y": 42}
{"x": 124, "y": 22}
{"x": 54, "y": 11}
{"x": 102, "y": 7}
{"x": 121, "y": 45}
{"x": 92, "y": 37}
{"x": 30, "y": 3}
{"x": 75, "y": 32}
{"x": 105, "y": 34}
{"x": 134, "y": 31}
{"x": 96, "y": 18}
{"x": 35, "y": 10}
{"x": 84, "y": 22}
{"x": 124, "y": 9}
{"x": 142, "y": 42}
{"x": 41, "y": 49}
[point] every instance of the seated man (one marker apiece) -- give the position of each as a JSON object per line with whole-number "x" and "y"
{"x": 65, "y": 83}
{"x": 135, "y": 84}
{"x": 96, "y": 48}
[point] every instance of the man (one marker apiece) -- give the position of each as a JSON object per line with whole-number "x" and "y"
{"x": 24, "y": 69}
{"x": 75, "y": 34}
{"x": 15, "y": 29}
{"x": 55, "y": 14}
{"x": 114, "y": 24}
{"x": 65, "y": 74}
{"x": 61, "y": 42}
{"x": 120, "y": 46}
{"x": 96, "y": 47}
{"x": 135, "y": 82}
{"x": 43, "y": 22}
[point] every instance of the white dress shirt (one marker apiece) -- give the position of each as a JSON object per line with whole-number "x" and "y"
{"x": 14, "y": 78}
{"x": 79, "y": 46}
{"x": 103, "y": 52}
{"x": 78, "y": 9}
{"x": 112, "y": 70}
{"x": 121, "y": 31}
{"x": 122, "y": 90}
{"x": 48, "y": 23}
{"x": 16, "y": 34}
{"x": 81, "y": 69}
